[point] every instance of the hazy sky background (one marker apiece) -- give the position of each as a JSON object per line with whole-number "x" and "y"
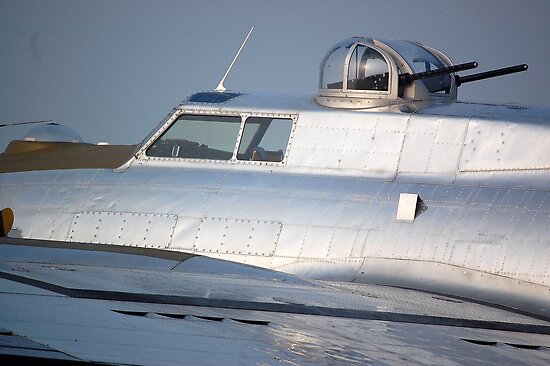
{"x": 112, "y": 70}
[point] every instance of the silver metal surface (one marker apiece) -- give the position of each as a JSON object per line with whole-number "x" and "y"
{"x": 123, "y": 228}
{"x": 328, "y": 209}
{"x": 319, "y": 217}
{"x": 91, "y": 303}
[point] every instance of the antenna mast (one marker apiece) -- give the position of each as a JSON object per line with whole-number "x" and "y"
{"x": 23, "y": 123}
{"x": 220, "y": 88}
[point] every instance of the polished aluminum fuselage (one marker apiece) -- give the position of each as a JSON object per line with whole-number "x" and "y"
{"x": 329, "y": 209}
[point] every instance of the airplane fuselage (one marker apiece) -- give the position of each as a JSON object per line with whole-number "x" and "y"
{"x": 453, "y": 198}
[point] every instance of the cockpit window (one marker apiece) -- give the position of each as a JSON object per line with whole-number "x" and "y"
{"x": 420, "y": 60}
{"x": 264, "y": 139}
{"x": 198, "y": 137}
{"x": 367, "y": 70}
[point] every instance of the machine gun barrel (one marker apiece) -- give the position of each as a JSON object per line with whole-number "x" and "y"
{"x": 490, "y": 74}
{"x": 407, "y": 78}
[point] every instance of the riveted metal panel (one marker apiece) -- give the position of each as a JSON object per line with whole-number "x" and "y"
{"x": 428, "y": 219}
{"x": 531, "y": 224}
{"x": 384, "y": 151}
{"x": 185, "y": 233}
{"x": 317, "y": 242}
{"x": 326, "y": 213}
{"x": 447, "y": 146}
{"x": 538, "y": 200}
{"x": 375, "y": 243}
{"x": 486, "y": 197}
{"x": 348, "y": 141}
{"x": 432, "y": 144}
{"x": 62, "y": 198}
{"x": 49, "y": 225}
{"x": 303, "y": 211}
{"x": 42, "y": 176}
{"x": 9, "y": 195}
{"x": 173, "y": 174}
{"x": 359, "y": 244}
{"x": 476, "y": 252}
{"x": 514, "y": 198}
{"x": 532, "y": 265}
{"x": 434, "y": 246}
{"x": 360, "y": 213}
{"x": 290, "y": 241}
{"x": 519, "y": 179}
{"x": 237, "y": 236}
{"x": 417, "y": 150}
{"x": 493, "y": 145}
{"x": 31, "y": 196}
{"x": 343, "y": 243}
{"x": 142, "y": 198}
{"x": 123, "y": 228}
{"x": 79, "y": 176}
{"x": 304, "y": 151}
{"x": 359, "y": 141}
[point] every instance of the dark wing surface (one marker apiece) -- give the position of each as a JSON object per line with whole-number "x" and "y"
{"x": 78, "y": 303}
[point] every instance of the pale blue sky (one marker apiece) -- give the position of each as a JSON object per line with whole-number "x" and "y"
{"x": 112, "y": 69}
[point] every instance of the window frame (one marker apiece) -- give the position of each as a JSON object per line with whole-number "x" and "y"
{"x": 272, "y": 117}
{"x": 191, "y": 117}
{"x": 142, "y": 153}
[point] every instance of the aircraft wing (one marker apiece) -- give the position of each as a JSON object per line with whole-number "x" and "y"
{"x": 78, "y": 303}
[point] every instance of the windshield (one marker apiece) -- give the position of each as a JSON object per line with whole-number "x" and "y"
{"x": 198, "y": 137}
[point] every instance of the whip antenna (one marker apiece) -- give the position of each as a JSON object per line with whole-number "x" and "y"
{"x": 23, "y": 123}
{"x": 220, "y": 88}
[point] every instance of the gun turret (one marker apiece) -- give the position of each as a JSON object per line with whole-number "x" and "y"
{"x": 490, "y": 74}
{"x": 405, "y": 79}
{"x": 363, "y": 72}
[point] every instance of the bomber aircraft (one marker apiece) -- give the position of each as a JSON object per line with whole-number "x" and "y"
{"x": 380, "y": 221}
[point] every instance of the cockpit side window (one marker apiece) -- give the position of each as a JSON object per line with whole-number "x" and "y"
{"x": 264, "y": 139}
{"x": 198, "y": 137}
{"x": 367, "y": 70}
